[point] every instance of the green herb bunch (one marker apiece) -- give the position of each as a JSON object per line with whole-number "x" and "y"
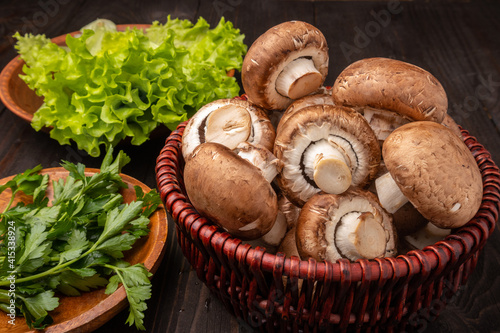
{"x": 74, "y": 242}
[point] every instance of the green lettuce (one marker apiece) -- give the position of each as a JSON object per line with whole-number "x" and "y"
{"x": 105, "y": 85}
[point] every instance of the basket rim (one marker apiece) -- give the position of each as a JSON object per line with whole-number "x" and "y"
{"x": 445, "y": 255}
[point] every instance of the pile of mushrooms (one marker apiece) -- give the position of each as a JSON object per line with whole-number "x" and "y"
{"x": 369, "y": 168}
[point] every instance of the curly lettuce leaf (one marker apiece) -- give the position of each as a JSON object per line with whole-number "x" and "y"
{"x": 105, "y": 85}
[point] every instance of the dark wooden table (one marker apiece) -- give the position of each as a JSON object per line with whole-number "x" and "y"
{"x": 457, "y": 41}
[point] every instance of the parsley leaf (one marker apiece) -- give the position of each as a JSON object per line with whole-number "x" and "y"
{"x": 135, "y": 280}
{"x": 35, "y": 308}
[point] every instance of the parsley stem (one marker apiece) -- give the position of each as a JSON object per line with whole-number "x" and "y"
{"x": 117, "y": 271}
{"x": 4, "y": 296}
{"x": 4, "y": 308}
{"x": 10, "y": 202}
{"x": 54, "y": 270}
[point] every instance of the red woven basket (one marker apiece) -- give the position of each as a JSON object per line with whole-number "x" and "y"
{"x": 389, "y": 294}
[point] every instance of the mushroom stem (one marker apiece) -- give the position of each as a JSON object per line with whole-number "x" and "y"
{"x": 331, "y": 171}
{"x": 428, "y": 235}
{"x": 299, "y": 78}
{"x": 389, "y": 194}
{"x": 360, "y": 235}
{"x": 228, "y": 125}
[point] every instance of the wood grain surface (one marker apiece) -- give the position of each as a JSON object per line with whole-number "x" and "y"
{"x": 457, "y": 41}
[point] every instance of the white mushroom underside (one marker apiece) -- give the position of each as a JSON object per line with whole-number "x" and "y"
{"x": 293, "y": 172}
{"x": 191, "y": 138}
{"x": 260, "y": 157}
{"x": 277, "y": 232}
{"x": 356, "y": 205}
{"x": 382, "y": 122}
{"x": 228, "y": 125}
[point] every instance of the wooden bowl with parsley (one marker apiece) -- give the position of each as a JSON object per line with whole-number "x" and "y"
{"x": 75, "y": 244}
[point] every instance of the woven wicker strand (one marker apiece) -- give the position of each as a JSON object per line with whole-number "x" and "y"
{"x": 274, "y": 293}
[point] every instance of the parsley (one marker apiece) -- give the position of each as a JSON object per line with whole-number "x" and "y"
{"x": 74, "y": 243}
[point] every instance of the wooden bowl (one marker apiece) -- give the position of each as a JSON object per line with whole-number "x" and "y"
{"x": 92, "y": 309}
{"x": 15, "y": 93}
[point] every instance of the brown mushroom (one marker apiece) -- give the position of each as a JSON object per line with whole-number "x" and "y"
{"x": 315, "y": 99}
{"x": 390, "y": 93}
{"x": 449, "y": 122}
{"x": 287, "y": 62}
{"x": 433, "y": 169}
{"x": 325, "y": 147}
{"x": 229, "y": 122}
{"x": 230, "y": 191}
{"x": 351, "y": 225}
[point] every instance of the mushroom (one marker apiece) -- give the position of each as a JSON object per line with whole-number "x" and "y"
{"x": 351, "y": 225}
{"x": 229, "y": 122}
{"x": 324, "y": 147}
{"x": 449, "y": 122}
{"x": 289, "y": 210}
{"x": 259, "y": 156}
{"x": 230, "y": 191}
{"x": 429, "y": 234}
{"x": 287, "y": 62}
{"x": 390, "y": 93}
{"x": 316, "y": 99}
{"x": 406, "y": 219}
{"x": 288, "y": 246}
{"x": 433, "y": 169}
{"x": 273, "y": 238}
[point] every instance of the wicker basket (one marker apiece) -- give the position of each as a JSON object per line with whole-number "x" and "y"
{"x": 390, "y": 294}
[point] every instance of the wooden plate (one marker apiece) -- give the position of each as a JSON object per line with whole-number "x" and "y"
{"x": 91, "y": 310}
{"x": 17, "y": 96}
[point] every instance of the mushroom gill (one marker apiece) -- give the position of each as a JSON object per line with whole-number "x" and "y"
{"x": 351, "y": 225}
{"x": 325, "y": 147}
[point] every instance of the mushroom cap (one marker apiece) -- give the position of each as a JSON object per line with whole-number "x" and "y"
{"x": 262, "y": 131}
{"x": 449, "y": 122}
{"x": 230, "y": 191}
{"x": 299, "y": 104}
{"x": 275, "y": 49}
{"x": 321, "y": 216}
{"x": 323, "y": 122}
{"x": 392, "y": 85}
{"x": 436, "y": 171}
